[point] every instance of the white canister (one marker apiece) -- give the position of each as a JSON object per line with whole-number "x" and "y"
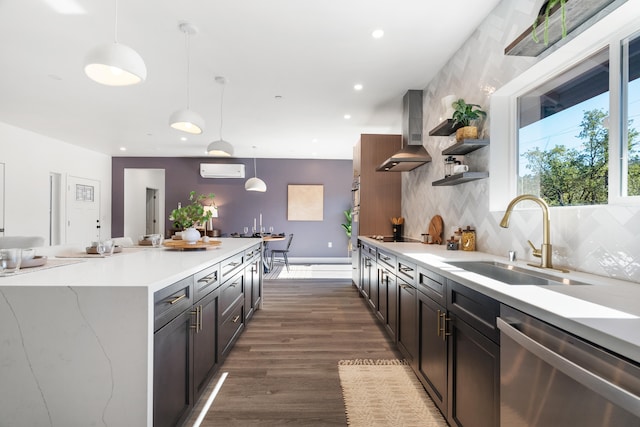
{"x": 460, "y": 169}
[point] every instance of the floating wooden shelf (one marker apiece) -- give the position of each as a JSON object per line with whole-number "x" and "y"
{"x": 577, "y": 13}
{"x": 460, "y": 178}
{"x": 465, "y": 146}
{"x": 445, "y": 128}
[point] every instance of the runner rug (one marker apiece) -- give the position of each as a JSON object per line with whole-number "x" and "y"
{"x": 385, "y": 393}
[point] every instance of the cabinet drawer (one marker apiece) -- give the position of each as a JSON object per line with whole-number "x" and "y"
{"x": 433, "y": 285}
{"x": 230, "y": 327}
{"x": 206, "y": 281}
{"x": 251, "y": 254}
{"x": 407, "y": 271}
{"x": 229, "y": 266}
{"x": 368, "y": 249}
{"x": 478, "y": 310}
{"x": 230, "y": 291}
{"x": 171, "y": 301}
{"x": 387, "y": 260}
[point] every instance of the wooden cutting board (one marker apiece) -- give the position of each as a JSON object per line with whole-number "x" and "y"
{"x": 435, "y": 230}
{"x": 184, "y": 245}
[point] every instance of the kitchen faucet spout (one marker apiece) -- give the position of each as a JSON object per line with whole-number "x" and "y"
{"x": 545, "y": 251}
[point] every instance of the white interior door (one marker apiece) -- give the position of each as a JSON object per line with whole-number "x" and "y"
{"x": 83, "y": 210}
{"x": 1, "y": 199}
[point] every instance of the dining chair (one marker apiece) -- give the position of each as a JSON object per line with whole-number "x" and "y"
{"x": 282, "y": 252}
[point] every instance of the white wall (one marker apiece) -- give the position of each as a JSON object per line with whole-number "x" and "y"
{"x": 601, "y": 240}
{"x": 29, "y": 158}
{"x": 136, "y": 182}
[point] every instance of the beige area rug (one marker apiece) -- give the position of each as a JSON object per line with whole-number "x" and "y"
{"x": 316, "y": 271}
{"x": 385, "y": 393}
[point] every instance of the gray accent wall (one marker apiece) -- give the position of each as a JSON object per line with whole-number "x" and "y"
{"x": 238, "y": 207}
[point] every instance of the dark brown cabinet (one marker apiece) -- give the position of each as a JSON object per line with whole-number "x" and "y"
{"x": 432, "y": 361}
{"x": 205, "y": 343}
{"x": 172, "y": 371}
{"x": 379, "y": 192}
{"x": 459, "y": 353}
{"x": 474, "y": 378}
{"x": 172, "y": 353}
{"x": 368, "y": 272}
{"x": 407, "y": 321}
{"x": 252, "y": 288}
{"x": 197, "y": 320}
{"x": 231, "y": 319}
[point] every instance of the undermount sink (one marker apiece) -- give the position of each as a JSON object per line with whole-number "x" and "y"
{"x": 512, "y": 275}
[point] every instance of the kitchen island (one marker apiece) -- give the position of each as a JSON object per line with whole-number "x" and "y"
{"x": 77, "y": 341}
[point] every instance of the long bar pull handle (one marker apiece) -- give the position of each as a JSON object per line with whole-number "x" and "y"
{"x": 198, "y": 314}
{"x": 615, "y": 394}
{"x": 207, "y": 278}
{"x": 438, "y": 323}
{"x": 176, "y": 299}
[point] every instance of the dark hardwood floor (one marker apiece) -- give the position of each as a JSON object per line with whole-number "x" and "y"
{"x": 284, "y": 368}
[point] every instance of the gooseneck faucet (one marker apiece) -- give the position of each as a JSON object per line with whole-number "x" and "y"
{"x": 544, "y": 253}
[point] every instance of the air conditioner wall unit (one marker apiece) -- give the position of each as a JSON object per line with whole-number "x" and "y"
{"x": 221, "y": 170}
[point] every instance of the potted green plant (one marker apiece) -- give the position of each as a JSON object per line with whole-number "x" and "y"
{"x": 463, "y": 115}
{"x": 347, "y": 228}
{"x": 543, "y": 16}
{"x": 187, "y": 217}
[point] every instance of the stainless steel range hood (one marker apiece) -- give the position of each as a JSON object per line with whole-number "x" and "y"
{"x": 412, "y": 153}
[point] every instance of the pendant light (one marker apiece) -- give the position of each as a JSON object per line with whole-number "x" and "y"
{"x": 255, "y": 183}
{"x": 115, "y": 64}
{"x": 187, "y": 120}
{"x": 220, "y": 148}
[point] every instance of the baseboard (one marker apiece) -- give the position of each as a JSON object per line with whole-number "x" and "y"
{"x": 320, "y": 260}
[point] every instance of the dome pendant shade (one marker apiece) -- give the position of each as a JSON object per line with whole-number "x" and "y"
{"x": 187, "y": 121}
{"x": 220, "y": 148}
{"x": 255, "y": 184}
{"x": 115, "y": 64}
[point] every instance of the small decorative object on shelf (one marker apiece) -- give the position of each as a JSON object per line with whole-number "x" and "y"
{"x": 463, "y": 115}
{"x": 452, "y": 244}
{"x": 468, "y": 240}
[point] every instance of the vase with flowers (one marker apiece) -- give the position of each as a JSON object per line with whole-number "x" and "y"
{"x": 187, "y": 217}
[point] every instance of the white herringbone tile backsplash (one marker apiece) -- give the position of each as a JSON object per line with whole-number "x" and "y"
{"x": 602, "y": 240}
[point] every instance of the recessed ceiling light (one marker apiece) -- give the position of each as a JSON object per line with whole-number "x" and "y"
{"x": 314, "y": 140}
{"x": 278, "y": 97}
{"x": 123, "y": 148}
{"x": 183, "y": 138}
{"x": 377, "y": 34}
{"x": 357, "y": 86}
{"x": 347, "y": 116}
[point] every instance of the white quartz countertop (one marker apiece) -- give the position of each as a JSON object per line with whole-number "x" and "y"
{"x": 605, "y": 312}
{"x": 149, "y": 267}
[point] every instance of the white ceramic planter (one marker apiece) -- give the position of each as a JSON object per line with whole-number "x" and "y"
{"x": 191, "y": 235}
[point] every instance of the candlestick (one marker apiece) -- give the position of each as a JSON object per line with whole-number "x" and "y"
{"x": 254, "y": 223}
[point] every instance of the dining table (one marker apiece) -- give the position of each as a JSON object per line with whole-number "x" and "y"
{"x": 266, "y": 239}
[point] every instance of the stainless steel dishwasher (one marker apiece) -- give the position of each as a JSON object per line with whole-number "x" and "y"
{"x": 549, "y": 377}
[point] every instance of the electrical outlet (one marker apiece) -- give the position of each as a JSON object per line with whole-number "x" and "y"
{"x": 330, "y": 244}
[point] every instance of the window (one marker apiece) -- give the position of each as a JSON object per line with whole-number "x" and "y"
{"x": 563, "y": 136}
{"x": 564, "y": 127}
{"x": 630, "y": 148}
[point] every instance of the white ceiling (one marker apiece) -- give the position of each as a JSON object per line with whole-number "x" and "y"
{"x": 311, "y": 53}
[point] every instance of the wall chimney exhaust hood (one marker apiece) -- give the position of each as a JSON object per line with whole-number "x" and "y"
{"x": 412, "y": 153}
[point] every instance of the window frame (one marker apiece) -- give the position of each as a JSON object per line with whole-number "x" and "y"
{"x": 503, "y": 157}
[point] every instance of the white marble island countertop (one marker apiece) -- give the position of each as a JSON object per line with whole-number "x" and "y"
{"x": 153, "y": 268}
{"x": 604, "y": 311}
